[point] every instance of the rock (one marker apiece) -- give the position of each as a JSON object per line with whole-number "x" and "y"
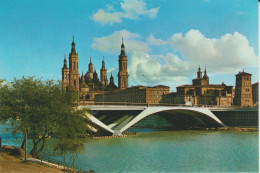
{"x": 7, "y": 148}
{"x": 17, "y": 152}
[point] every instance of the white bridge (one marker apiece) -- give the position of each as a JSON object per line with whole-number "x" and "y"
{"x": 117, "y": 119}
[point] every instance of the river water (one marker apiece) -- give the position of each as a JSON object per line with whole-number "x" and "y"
{"x": 169, "y": 151}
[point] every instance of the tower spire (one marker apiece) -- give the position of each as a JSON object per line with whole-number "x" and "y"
{"x": 205, "y": 73}
{"x": 65, "y": 62}
{"x": 122, "y": 48}
{"x": 103, "y": 62}
{"x": 73, "y": 49}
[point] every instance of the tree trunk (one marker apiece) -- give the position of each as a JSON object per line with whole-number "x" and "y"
{"x": 34, "y": 149}
{"x": 40, "y": 150}
{"x": 23, "y": 144}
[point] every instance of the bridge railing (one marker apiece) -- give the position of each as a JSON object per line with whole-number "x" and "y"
{"x": 61, "y": 163}
{"x": 161, "y": 104}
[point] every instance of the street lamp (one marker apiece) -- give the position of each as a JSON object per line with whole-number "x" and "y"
{"x": 146, "y": 80}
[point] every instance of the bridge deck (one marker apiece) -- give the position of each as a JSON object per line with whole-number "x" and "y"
{"x": 131, "y": 107}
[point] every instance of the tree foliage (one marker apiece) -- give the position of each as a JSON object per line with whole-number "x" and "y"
{"x": 42, "y": 109}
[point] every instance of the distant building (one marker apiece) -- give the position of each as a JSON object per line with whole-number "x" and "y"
{"x": 201, "y": 93}
{"x": 243, "y": 90}
{"x": 255, "y": 87}
{"x": 135, "y": 94}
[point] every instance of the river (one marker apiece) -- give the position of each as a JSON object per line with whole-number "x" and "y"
{"x": 168, "y": 151}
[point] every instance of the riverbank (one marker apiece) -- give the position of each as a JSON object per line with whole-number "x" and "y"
{"x": 237, "y": 129}
{"x": 12, "y": 160}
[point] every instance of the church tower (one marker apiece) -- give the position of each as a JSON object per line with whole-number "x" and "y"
{"x": 65, "y": 74}
{"x": 122, "y": 74}
{"x": 205, "y": 77}
{"x": 199, "y": 73}
{"x": 73, "y": 67}
{"x": 90, "y": 66}
{"x": 103, "y": 74}
{"x": 243, "y": 90}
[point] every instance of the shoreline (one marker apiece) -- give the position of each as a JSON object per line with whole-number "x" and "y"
{"x": 234, "y": 129}
{"x": 12, "y": 160}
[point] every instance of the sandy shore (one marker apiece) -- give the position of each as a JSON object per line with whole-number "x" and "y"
{"x": 16, "y": 164}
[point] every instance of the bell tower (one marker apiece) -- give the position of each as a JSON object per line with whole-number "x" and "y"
{"x": 73, "y": 67}
{"x": 199, "y": 73}
{"x": 103, "y": 74}
{"x": 65, "y": 74}
{"x": 122, "y": 74}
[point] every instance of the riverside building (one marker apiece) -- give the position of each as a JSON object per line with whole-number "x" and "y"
{"x": 201, "y": 93}
{"x": 135, "y": 94}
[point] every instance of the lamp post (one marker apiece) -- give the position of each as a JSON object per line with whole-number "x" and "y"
{"x": 103, "y": 95}
{"x": 146, "y": 80}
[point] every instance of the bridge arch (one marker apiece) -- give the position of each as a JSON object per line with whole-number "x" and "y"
{"x": 152, "y": 110}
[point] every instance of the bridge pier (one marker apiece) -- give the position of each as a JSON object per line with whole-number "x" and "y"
{"x": 117, "y": 133}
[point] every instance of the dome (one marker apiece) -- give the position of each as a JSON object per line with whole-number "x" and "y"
{"x": 89, "y": 76}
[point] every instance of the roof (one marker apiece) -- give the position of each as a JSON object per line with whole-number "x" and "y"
{"x": 214, "y": 85}
{"x": 255, "y": 84}
{"x": 159, "y": 86}
{"x": 187, "y": 86}
{"x": 243, "y": 73}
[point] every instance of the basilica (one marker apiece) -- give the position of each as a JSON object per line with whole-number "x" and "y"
{"x": 89, "y": 84}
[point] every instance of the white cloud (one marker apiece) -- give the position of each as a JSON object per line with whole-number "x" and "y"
{"x": 131, "y": 9}
{"x": 107, "y": 17}
{"x": 147, "y": 68}
{"x": 227, "y": 54}
{"x": 112, "y": 42}
{"x": 134, "y": 8}
{"x": 152, "y": 40}
{"x": 111, "y": 70}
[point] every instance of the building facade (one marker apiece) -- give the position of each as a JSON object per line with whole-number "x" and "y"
{"x": 255, "y": 93}
{"x": 201, "y": 93}
{"x": 135, "y": 94}
{"x": 243, "y": 90}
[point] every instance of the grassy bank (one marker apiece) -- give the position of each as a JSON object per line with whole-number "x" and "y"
{"x": 12, "y": 160}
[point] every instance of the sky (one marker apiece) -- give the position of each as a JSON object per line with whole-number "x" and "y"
{"x": 165, "y": 40}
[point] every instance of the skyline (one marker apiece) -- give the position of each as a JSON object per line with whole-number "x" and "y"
{"x": 165, "y": 41}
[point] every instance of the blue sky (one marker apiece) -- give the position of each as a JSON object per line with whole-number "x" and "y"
{"x": 166, "y": 40}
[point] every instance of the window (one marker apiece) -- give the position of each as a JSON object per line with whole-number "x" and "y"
{"x": 65, "y": 76}
{"x": 74, "y": 82}
{"x": 73, "y": 65}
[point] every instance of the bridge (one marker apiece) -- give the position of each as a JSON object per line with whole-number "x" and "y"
{"x": 115, "y": 119}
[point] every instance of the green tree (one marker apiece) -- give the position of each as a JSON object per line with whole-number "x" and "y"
{"x": 41, "y": 109}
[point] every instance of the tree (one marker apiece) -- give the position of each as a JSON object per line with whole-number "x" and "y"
{"x": 41, "y": 109}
